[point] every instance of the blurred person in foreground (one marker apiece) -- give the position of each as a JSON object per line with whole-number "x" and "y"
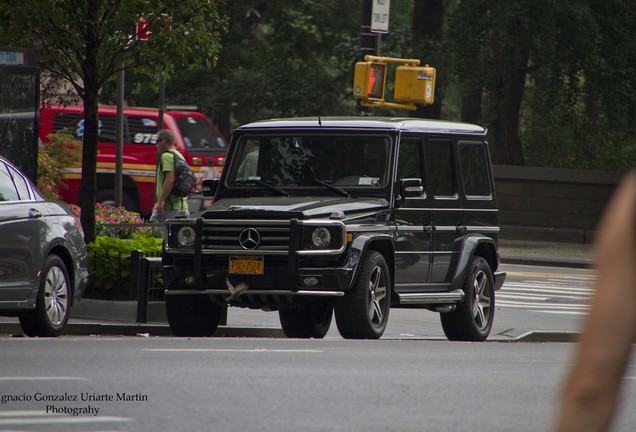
{"x": 592, "y": 389}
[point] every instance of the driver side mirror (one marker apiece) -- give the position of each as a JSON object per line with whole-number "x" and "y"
{"x": 209, "y": 187}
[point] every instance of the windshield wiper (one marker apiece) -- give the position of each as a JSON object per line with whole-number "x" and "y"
{"x": 265, "y": 184}
{"x": 329, "y": 186}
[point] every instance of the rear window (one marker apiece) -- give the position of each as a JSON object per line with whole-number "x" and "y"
{"x": 199, "y": 134}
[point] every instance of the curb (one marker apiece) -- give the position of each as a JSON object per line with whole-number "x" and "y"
{"x": 143, "y": 330}
{"x": 156, "y": 330}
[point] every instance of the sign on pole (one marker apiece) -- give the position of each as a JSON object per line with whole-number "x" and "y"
{"x": 380, "y": 16}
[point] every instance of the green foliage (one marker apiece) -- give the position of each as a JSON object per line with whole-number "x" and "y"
{"x": 558, "y": 72}
{"x": 61, "y": 152}
{"x": 110, "y": 257}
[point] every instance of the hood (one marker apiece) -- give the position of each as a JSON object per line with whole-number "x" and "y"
{"x": 302, "y": 207}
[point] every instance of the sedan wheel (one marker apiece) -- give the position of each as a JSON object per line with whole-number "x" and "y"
{"x": 53, "y": 301}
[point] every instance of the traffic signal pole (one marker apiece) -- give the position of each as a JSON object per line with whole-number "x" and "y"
{"x": 368, "y": 46}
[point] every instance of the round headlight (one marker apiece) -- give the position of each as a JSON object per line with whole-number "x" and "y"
{"x": 321, "y": 237}
{"x": 185, "y": 236}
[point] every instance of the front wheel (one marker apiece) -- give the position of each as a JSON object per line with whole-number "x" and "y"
{"x": 472, "y": 319}
{"x": 364, "y": 311}
{"x": 192, "y": 315}
{"x": 306, "y": 321}
{"x": 53, "y": 301}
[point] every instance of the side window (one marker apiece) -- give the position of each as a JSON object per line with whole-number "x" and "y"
{"x": 143, "y": 130}
{"x": 474, "y": 165}
{"x": 409, "y": 160}
{"x": 8, "y": 191}
{"x": 440, "y": 157}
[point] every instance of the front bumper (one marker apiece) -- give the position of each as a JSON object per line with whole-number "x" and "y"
{"x": 275, "y": 287}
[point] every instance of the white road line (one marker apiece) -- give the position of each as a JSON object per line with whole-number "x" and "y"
{"x": 543, "y": 287}
{"x": 36, "y": 378}
{"x": 530, "y": 305}
{"x": 61, "y": 420}
{"x": 22, "y": 413}
{"x": 229, "y": 350}
{"x": 560, "y": 312}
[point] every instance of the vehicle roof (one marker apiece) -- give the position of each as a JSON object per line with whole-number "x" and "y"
{"x": 376, "y": 123}
{"x": 112, "y": 110}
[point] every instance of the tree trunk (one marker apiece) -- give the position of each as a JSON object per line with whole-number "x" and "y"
{"x": 88, "y": 186}
{"x": 510, "y": 68}
{"x": 427, "y": 25}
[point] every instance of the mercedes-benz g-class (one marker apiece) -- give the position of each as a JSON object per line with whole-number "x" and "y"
{"x": 315, "y": 217}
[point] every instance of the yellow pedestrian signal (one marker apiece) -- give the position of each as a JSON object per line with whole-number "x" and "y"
{"x": 369, "y": 80}
{"x": 415, "y": 85}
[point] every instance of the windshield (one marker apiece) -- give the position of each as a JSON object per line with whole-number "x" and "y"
{"x": 311, "y": 160}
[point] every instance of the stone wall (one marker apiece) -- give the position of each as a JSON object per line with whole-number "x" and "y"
{"x": 552, "y": 204}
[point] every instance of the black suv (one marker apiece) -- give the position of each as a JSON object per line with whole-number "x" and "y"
{"x": 348, "y": 215}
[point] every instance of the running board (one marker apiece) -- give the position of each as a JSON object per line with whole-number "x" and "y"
{"x": 257, "y": 292}
{"x": 456, "y": 296}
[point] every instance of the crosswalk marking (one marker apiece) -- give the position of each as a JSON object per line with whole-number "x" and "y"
{"x": 554, "y": 294}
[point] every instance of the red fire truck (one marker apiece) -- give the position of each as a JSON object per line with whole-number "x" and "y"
{"x": 197, "y": 139}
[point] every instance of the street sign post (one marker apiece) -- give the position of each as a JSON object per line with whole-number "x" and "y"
{"x": 380, "y": 16}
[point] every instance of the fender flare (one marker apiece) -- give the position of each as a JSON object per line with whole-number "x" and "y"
{"x": 472, "y": 245}
{"x": 361, "y": 243}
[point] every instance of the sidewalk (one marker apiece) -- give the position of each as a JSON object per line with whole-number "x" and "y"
{"x": 542, "y": 253}
{"x": 104, "y": 317}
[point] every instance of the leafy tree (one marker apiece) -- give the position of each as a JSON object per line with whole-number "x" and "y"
{"x": 86, "y": 42}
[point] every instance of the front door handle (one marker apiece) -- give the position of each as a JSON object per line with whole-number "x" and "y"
{"x": 461, "y": 228}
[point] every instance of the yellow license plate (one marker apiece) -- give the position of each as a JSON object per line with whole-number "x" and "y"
{"x": 250, "y": 265}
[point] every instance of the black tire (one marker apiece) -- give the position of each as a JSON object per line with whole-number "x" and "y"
{"x": 472, "y": 319}
{"x": 192, "y": 315}
{"x": 364, "y": 310}
{"x": 305, "y": 322}
{"x": 53, "y": 303}
{"x": 106, "y": 197}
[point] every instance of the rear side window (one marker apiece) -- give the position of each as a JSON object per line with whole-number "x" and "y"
{"x": 474, "y": 167}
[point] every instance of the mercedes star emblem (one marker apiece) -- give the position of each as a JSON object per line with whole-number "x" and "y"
{"x": 249, "y": 238}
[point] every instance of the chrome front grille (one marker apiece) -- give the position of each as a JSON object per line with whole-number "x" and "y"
{"x": 226, "y": 235}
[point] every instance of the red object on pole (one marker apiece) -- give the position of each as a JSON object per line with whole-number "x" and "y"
{"x": 143, "y": 31}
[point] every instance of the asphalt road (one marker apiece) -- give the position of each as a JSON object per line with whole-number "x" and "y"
{"x": 278, "y": 385}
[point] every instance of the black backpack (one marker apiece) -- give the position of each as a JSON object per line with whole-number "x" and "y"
{"x": 183, "y": 177}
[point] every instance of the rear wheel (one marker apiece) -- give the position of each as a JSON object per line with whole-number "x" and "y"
{"x": 311, "y": 321}
{"x": 472, "y": 319}
{"x": 364, "y": 311}
{"x": 192, "y": 315}
{"x": 53, "y": 301}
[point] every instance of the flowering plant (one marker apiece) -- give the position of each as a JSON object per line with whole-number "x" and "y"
{"x": 106, "y": 216}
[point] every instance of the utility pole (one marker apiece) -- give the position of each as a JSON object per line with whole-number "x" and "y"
{"x": 368, "y": 46}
